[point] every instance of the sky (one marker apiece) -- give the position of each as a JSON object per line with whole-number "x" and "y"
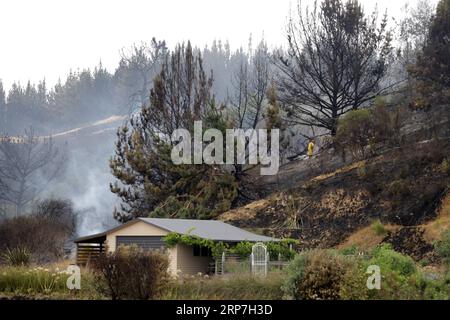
{"x": 48, "y": 38}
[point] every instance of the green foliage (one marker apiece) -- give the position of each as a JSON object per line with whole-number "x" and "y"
{"x": 25, "y": 281}
{"x": 436, "y": 290}
{"x": 19, "y": 256}
{"x": 359, "y": 129}
{"x": 282, "y": 248}
{"x": 148, "y": 182}
{"x": 329, "y": 274}
{"x": 354, "y": 131}
{"x": 324, "y": 274}
{"x": 379, "y": 228}
{"x": 443, "y": 246}
{"x": 400, "y": 277}
{"x": 45, "y": 282}
{"x": 349, "y": 251}
{"x": 390, "y": 260}
{"x": 243, "y": 249}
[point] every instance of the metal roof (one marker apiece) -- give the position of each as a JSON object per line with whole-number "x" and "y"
{"x": 206, "y": 229}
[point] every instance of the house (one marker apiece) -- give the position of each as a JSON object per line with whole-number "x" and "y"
{"x": 148, "y": 233}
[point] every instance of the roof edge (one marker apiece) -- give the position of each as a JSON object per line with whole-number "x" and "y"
{"x": 142, "y": 219}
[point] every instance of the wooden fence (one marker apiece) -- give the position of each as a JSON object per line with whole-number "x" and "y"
{"x": 88, "y": 252}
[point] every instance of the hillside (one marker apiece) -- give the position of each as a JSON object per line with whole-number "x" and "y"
{"x": 326, "y": 202}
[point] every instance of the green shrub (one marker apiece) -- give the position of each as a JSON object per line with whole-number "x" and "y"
{"x": 19, "y": 256}
{"x": 361, "y": 128}
{"x": 400, "y": 278}
{"x": 389, "y": 260}
{"x": 324, "y": 274}
{"x": 435, "y": 290}
{"x": 443, "y": 246}
{"x": 349, "y": 251}
{"x": 354, "y": 132}
{"x": 132, "y": 273}
{"x": 379, "y": 228}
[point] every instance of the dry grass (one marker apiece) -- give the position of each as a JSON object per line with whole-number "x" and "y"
{"x": 235, "y": 287}
{"x": 366, "y": 238}
{"x": 247, "y": 212}
{"x": 434, "y": 229}
{"x": 345, "y": 169}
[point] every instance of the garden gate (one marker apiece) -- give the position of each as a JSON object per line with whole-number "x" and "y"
{"x": 259, "y": 259}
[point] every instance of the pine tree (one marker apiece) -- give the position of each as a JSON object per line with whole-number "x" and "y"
{"x": 432, "y": 71}
{"x": 148, "y": 181}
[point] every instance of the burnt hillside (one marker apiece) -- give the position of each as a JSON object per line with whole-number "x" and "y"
{"x": 403, "y": 187}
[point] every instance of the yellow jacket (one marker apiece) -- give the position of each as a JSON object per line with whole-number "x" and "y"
{"x": 310, "y": 148}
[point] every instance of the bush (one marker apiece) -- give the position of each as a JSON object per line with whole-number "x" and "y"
{"x": 354, "y": 132}
{"x": 132, "y": 273}
{"x": 443, "y": 246}
{"x": 324, "y": 274}
{"x": 389, "y": 260}
{"x": 436, "y": 290}
{"x": 17, "y": 257}
{"x": 359, "y": 129}
{"x": 44, "y": 232}
{"x": 379, "y": 228}
{"x": 400, "y": 278}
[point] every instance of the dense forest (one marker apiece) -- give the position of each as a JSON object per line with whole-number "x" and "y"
{"x": 90, "y": 95}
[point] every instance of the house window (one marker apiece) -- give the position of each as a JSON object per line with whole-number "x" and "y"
{"x": 200, "y": 251}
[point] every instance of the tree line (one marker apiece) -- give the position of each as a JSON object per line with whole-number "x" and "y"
{"x": 88, "y": 95}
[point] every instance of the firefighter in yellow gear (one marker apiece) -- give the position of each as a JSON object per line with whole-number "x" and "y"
{"x": 310, "y": 148}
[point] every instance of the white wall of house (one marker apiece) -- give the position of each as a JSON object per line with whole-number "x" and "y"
{"x": 181, "y": 257}
{"x": 187, "y": 263}
{"x": 140, "y": 228}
